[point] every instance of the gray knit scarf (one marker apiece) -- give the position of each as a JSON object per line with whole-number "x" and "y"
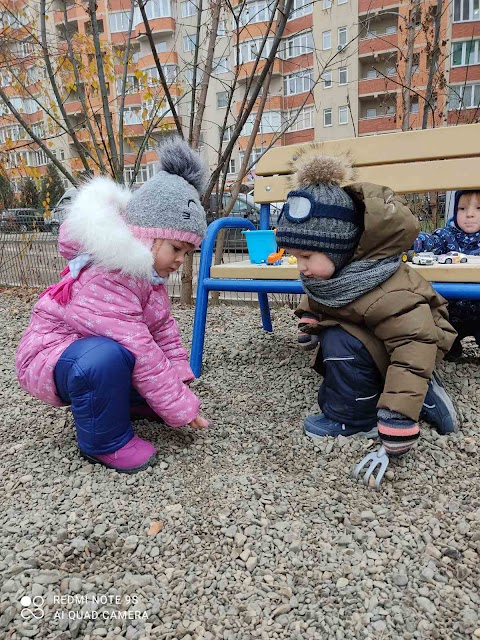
{"x": 351, "y": 282}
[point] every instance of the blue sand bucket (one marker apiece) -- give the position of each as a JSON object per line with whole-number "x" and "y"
{"x": 260, "y": 245}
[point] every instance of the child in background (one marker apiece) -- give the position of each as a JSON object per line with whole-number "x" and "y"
{"x": 462, "y": 235}
{"x": 103, "y": 340}
{"x": 381, "y": 327}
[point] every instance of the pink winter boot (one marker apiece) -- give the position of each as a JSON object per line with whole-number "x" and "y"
{"x": 135, "y": 456}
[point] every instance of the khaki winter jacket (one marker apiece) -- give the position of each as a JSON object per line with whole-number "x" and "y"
{"x": 403, "y": 322}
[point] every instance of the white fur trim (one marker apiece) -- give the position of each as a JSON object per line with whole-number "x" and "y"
{"x": 94, "y": 220}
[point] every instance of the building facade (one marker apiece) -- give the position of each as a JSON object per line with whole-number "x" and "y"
{"x": 343, "y": 68}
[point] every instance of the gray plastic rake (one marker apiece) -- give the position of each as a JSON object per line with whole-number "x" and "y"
{"x": 370, "y": 462}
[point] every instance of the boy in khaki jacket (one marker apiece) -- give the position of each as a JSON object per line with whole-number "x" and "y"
{"x": 380, "y": 326}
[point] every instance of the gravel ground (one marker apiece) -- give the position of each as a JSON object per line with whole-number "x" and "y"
{"x": 246, "y": 530}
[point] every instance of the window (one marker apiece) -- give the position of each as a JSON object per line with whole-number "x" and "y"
{"x": 391, "y": 71}
{"x": 189, "y": 42}
{"x": 327, "y": 117}
{"x": 414, "y": 105}
{"x": 161, "y": 47}
{"x": 5, "y": 78}
{"x": 343, "y": 115}
{"x": 232, "y": 166}
{"x": 38, "y": 129}
{"x": 132, "y": 84}
{"x": 89, "y": 27}
{"x": 327, "y": 79}
{"x": 371, "y": 113}
{"x": 257, "y": 11}
{"x": 188, "y": 9}
{"x": 24, "y": 105}
{"x": 118, "y": 21}
{"x": 227, "y": 134}
{"x": 300, "y": 120}
{"x": 249, "y": 50}
{"x": 254, "y": 156}
{"x": 343, "y": 75}
{"x": 62, "y": 154}
{"x": 132, "y": 115}
{"x": 464, "y": 96}
{"x": 188, "y": 76}
{"x": 342, "y": 1}
{"x": 32, "y": 75}
{"x": 155, "y": 9}
{"x": 221, "y": 65}
{"x": 145, "y": 172}
{"x": 391, "y": 29}
{"x": 299, "y": 82}
{"x": 464, "y": 10}
{"x": 24, "y": 49}
{"x": 271, "y": 122}
{"x": 299, "y": 45}
{"x": 326, "y": 4}
{"x": 222, "y": 100}
{"x": 301, "y": 8}
{"x": 465, "y": 53}
{"x": 222, "y": 28}
{"x": 371, "y": 74}
{"x": 170, "y": 71}
{"x": 342, "y": 36}
{"x": 391, "y": 109}
{"x": 326, "y": 40}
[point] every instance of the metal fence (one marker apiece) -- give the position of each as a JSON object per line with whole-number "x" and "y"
{"x": 32, "y": 259}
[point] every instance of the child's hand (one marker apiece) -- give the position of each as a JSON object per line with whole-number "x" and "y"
{"x": 199, "y": 423}
{"x": 307, "y": 341}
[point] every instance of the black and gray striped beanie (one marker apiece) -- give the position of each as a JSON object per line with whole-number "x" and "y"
{"x": 335, "y": 226}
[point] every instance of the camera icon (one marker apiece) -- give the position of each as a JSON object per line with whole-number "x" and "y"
{"x": 32, "y": 607}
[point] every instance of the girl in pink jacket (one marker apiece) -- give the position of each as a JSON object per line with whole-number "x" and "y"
{"x": 103, "y": 340}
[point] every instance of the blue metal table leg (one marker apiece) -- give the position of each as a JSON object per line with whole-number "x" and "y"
{"x": 199, "y": 323}
{"x": 265, "y": 311}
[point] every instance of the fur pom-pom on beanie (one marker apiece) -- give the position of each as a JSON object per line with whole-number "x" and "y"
{"x": 168, "y": 205}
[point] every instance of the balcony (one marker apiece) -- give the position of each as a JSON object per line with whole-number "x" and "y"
{"x": 158, "y": 25}
{"x": 369, "y": 86}
{"x": 380, "y": 124}
{"x": 73, "y": 107}
{"x": 246, "y": 69}
{"x": 372, "y": 6}
{"x": 74, "y": 13}
{"x": 378, "y": 43}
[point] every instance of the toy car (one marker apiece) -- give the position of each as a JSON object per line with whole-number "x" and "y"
{"x": 452, "y": 257}
{"x": 407, "y": 256}
{"x": 426, "y": 257}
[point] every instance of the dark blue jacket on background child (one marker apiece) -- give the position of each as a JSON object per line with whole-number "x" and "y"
{"x": 462, "y": 235}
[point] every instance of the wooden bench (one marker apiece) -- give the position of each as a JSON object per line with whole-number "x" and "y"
{"x": 409, "y": 162}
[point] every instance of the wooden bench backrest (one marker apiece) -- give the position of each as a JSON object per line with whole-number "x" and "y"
{"x": 408, "y": 162}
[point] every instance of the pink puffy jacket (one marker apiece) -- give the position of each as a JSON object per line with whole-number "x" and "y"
{"x": 118, "y": 305}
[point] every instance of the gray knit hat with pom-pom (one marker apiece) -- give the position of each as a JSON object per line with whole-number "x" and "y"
{"x": 319, "y": 215}
{"x": 168, "y": 205}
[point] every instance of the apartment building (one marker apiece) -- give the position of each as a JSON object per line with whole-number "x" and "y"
{"x": 340, "y": 71}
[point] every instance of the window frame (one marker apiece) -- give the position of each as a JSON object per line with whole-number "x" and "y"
{"x": 343, "y": 109}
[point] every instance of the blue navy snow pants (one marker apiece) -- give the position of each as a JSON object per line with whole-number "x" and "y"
{"x": 94, "y": 376}
{"x": 351, "y": 383}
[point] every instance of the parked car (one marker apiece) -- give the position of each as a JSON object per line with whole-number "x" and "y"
{"x": 57, "y": 214}
{"x": 452, "y": 257}
{"x": 425, "y": 258}
{"x": 21, "y": 220}
{"x": 244, "y": 207}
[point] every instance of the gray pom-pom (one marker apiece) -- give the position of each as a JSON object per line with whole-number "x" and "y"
{"x": 177, "y": 157}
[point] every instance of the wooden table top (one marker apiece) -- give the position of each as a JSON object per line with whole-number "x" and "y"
{"x": 244, "y": 270}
